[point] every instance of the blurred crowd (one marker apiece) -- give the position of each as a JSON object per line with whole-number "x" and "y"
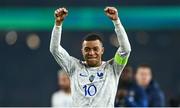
{"x": 62, "y": 97}
{"x": 137, "y": 88}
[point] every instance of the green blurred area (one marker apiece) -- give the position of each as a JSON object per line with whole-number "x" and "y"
{"x": 87, "y": 18}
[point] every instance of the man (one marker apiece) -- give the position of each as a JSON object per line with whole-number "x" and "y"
{"x": 153, "y": 91}
{"x": 62, "y": 98}
{"x": 152, "y": 95}
{"x": 128, "y": 94}
{"x": 93, "y": 81}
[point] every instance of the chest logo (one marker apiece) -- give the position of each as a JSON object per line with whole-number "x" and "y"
{"x": 100, "y": 74}
{"x": 83, "y": 75}
{"x": 91, "y": 78}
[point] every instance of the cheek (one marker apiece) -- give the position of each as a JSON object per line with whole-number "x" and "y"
{"x": 148, "y": 79}
{"x": 140, "y": 78}
{"x": 100, "y": 52}
{"x": 84, "y": 53}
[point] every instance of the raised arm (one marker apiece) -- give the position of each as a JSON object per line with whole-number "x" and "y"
{"x": 59, "y": 14}
{"x": 124, "y": 49}
{"x": 59, "y": 53}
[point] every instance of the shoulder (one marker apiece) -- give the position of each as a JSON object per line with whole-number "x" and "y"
{"x": 110, "y": 61}
{"x": 136, "y": 87}
{"x": 76, "y": 62}
{"x": 59, "y": 92}
{"x": 154, "y": 85}
{"x": 75, "y": 59}
{"x": 154, "y": 88}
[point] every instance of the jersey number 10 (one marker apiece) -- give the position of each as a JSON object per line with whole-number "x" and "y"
{"x": 89, "y": 90}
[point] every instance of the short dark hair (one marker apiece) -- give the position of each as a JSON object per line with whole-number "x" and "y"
{"x": 143, "y": 66}
{"x": 92, "y": 37}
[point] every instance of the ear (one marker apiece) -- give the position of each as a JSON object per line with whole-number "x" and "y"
{"x": 82, "y": 50}
{"x": 102, "y": 50}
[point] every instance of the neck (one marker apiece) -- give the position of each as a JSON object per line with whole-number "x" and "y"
{"x": 97, "y": 65}
{"x": 67, "y": 91}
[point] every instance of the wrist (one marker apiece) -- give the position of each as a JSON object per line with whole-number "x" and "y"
{"x": 117, "y": 21}
{"x": 58, "y": 23}
{"x": 57, "y": 27}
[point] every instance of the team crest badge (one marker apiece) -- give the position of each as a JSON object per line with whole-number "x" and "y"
{"x": 100, "y": 74}
{"x": 91, "y": 78}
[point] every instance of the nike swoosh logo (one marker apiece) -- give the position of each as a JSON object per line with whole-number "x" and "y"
{"x": 82, "y": 75}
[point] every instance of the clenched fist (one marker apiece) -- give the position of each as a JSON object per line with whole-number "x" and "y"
{"x": 60, "y": 14}
{"x": 111, "y": 12}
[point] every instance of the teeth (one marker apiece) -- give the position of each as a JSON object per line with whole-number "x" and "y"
{"x": 91, "y": 58}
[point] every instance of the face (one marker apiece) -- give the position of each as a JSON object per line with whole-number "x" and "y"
{"x": 64, "y": 81}
{"x": 92, "y": 52}
{"x": 143, "y": 76}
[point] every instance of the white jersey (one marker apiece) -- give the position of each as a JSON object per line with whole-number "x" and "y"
{"x": 92, "y": 86}
{"x": 61, "y": 99}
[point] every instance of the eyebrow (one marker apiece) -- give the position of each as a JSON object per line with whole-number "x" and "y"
{"x": 92, "y": 47}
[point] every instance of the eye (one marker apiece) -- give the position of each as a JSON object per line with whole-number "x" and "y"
{"x": 96, "y": 49}
{"x": 86, "y": 49}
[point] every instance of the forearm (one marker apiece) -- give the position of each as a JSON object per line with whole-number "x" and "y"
{"x": 55, "y": 38}
{"x": 60, "y": 54}
{"x": 122, "y": 36}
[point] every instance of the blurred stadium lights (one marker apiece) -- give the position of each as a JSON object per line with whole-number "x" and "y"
{"x": 33, "y": 41}
{"x": 86, "y": 18}
{"x": 11, "y": 37}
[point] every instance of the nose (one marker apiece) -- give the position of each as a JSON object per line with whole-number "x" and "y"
{"x": 91, "y": 52}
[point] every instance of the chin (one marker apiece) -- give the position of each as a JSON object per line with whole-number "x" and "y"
{"x": 92, "y": 64}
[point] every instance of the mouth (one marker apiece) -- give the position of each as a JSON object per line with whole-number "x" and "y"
{"x": 91, "y": 59}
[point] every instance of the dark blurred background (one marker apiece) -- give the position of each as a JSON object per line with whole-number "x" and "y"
{"x": 28, "y": 72}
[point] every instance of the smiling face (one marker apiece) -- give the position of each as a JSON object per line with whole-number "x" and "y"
{"x": 92, "y": 52}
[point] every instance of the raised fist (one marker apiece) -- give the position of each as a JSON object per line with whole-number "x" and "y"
{"x": 60, "y": 14}
{"x": 111, "y": 12}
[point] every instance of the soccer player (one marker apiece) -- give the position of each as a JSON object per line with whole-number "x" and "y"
{"x": 93, "y": 81}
